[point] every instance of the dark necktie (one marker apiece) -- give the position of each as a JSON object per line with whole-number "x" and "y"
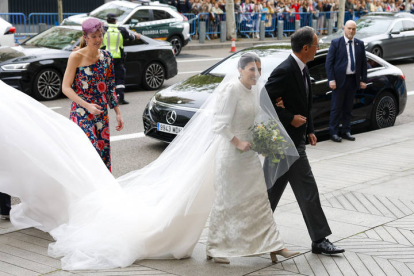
{"x": 304, "y": 74}
{"x": 351, "y": 53}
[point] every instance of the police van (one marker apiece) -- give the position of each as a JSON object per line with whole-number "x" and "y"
{"x": 152, "y": 19}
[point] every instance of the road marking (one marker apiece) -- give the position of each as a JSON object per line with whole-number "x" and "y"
{"x": 191, "y": 72}
{"x": 127, "y": 136}
{"x": 56, "y": 107}
{"x": 198, "y": 60}
{"x": 410, "y": 93}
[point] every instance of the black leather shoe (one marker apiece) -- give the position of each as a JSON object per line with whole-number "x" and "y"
{"x": 326, "y": 247}
{"x": 123, "y": 102}
{"x": 348, "y": 136}
{"x": 336, "y": 138}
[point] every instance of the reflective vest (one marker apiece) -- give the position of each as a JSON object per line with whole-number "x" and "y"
{"x": 113, "y": 41}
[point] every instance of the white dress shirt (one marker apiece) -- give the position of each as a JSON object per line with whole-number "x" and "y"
{"x": 348, "y": 68}
{"x": 301, "y": 65}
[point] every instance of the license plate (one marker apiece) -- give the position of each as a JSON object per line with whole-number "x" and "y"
{"x": 168, "y": 128}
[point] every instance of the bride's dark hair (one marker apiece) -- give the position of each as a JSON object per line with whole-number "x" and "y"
{"x": 247, "y": 58}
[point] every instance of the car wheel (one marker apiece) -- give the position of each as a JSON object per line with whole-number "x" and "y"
{"x": 47, "y": 85}
{"x": 384, "y": 111}
{"x": 377, "y": 51}
{"x": 154, "y": 76}
{"x": 177, "y": 44}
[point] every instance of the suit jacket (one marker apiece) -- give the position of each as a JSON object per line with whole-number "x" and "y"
{"x": 286, "y": 81}
{"x": 337, "y": 61}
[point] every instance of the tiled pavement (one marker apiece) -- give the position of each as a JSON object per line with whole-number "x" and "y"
{"x": 367, "y": 192}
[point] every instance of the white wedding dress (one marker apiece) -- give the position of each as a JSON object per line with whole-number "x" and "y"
{"x": 241, "y": 222}
{"x": 160, "y": 211}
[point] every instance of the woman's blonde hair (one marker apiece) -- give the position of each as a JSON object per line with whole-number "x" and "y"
{"x": 82, "y": 43}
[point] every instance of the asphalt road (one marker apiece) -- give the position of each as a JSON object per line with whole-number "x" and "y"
{"x": 132, "y": 151}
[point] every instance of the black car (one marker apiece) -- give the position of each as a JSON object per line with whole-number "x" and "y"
{"x": 37, "y": 66}
{"x": 375, "y": 107}
{"x": 387, "y": 35}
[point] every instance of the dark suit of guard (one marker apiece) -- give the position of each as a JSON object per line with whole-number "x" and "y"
{"x": 288, "y": 81}
{"x": 346, "y": 64}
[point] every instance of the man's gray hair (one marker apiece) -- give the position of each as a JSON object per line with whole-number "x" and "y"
{"x": 302, "y": 37}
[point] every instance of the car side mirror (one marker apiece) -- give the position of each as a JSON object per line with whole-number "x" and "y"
{"x": 395, "y": 32}
{"x": 133, "y": 23}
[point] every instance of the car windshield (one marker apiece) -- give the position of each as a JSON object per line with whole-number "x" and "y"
{"x": 121, "y": 11}
{"x": 372, "y": 26}
{"x": 56, "y": 38}
{"x": 270, "y": 59}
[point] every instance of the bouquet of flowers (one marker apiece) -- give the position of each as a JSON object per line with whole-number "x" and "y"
{"x": 268, "y": 141}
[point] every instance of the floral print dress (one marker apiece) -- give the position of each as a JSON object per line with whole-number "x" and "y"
{"x": 95, "y": 83}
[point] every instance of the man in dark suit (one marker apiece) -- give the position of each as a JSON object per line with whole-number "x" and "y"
{"x": 346, "y": 67}
{"x": 290, "y": 80}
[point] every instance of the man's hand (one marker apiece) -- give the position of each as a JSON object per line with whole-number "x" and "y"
{"x": 332, "y": 85}
{"x": 137, "y": 35}
{"x": 298, "y": 120}
{"x": 363, "y": 85}
{"x": 279, "y": 102}
{"x": 312, "y": 139}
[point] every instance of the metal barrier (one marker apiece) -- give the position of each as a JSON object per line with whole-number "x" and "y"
{"x": 213, "y": 22}
{"x": 50, "y": 19}
{"x": 249, "y": 23}
{"x": 193, "y": 20}
{"x": 18, "y": 20}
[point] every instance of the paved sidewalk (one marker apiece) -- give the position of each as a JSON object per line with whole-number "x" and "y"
{"x": 367, "y": 193}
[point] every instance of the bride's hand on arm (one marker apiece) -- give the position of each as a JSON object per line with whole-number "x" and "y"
{"x": 241, "y": 145}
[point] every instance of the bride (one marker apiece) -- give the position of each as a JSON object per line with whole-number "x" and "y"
{"x": 157, "y": 212}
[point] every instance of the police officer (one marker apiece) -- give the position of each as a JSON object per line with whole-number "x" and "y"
{"x": 114, "y": 42}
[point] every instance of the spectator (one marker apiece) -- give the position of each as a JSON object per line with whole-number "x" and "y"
{"x": 247, "y": 7}
{"x": 257, "y": 10}
{"x": 321, "y": 17}
{"x": 216, "y": 9}
{"x": 373, "y": 7}
{"x": 183, "y": 6}
{"x": 401, "y": 5}
{"x": 369, "y": 5}
{"x": 349, "y": 7}
{"x": 379, "y": 7}
{"x": 295, "y": 8}
{"x": 196, "y": 7}
{"x": 327, "y": 8}
{"x": 222, "y": 5}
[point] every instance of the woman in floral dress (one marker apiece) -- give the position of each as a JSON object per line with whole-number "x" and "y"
{"x": 89, "y": 82}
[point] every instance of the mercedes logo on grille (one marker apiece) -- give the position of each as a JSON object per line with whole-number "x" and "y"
{"x": 171, "y": 117}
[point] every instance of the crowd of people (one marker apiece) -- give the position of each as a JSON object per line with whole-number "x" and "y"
{"x": 267, "y": 10}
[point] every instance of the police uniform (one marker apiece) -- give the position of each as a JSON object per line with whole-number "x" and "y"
{"x": 114, "y": 42}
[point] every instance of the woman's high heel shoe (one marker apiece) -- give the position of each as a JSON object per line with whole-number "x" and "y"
{"x": 219, "y": 260}
{"x": 284, "y": 253}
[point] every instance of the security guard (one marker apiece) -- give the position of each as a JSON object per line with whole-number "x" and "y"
{"x": 114, "y": 42}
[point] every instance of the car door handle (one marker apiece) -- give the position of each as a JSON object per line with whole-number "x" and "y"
{"x": 370, "y": 83}
{"x": 329, "y": 92}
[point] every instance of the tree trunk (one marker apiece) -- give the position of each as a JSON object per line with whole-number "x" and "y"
{"x": 341, "y": 15}
{"x": 60, "y": 11}
{"x": 231, "y": 23}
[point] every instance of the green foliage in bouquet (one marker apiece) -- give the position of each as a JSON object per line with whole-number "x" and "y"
{"x": 268, "y": 141}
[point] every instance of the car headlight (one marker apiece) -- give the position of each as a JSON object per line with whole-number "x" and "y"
{"x": 17, "y": 66}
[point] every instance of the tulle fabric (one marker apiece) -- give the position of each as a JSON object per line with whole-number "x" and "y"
{"x": 100, "y": 222}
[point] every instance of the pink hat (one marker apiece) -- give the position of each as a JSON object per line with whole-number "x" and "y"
{"x": 92, "y": 25}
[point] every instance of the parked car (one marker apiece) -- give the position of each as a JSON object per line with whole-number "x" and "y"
{"x": 377, "y": 106}
{"x": 6, "y": 33}
{"x": 36, "y": 67}
{"x": 152, "y": 19}
{"x": 387, "y": 35}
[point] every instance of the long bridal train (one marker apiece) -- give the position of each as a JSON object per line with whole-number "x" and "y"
{"x": 66, "y": 190}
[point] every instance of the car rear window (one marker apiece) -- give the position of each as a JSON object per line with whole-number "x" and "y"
{"x": 161, "y": 15}
{"x": 373, "y": 25}
{"x": 121, "y": 11}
